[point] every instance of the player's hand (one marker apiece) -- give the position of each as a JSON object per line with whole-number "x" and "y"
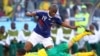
{"x": 75, "y": 27}
{"x": 28, "y": 14}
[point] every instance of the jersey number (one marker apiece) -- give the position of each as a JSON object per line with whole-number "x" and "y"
{"x": 44, "y": 18}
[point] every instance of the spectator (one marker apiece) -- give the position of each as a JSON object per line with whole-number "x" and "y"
{"x": 12, "y": 39}
{"x": 7, "y": 8}
{"x": 3, "y": 36}
{"x": 82, "y": 20}
{"x": 44, "y": 5}
{"x": 86, "y": 14}
{"x": 93, "y": 40}
{"x": 24, "y": 34}
{"x": 19, "y": 12}
{"x": 30, "y": 5}
{"x": 62, "y": 9}
{"x": 12, "y": 34}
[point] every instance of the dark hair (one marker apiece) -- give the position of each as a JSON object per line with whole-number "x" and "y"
{"x": 2, "y": 27}
{"x": 75, "y": 8}
{"x": 54, "y": 7}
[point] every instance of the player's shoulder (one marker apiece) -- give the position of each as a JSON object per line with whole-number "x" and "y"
{"x": 57, "y": 16}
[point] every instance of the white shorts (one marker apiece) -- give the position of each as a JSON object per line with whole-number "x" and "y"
{"x": 36, "y": 38}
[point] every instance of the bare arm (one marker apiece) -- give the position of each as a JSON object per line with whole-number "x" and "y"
{"x": 66, "y": 24}
{"x": 30, "y": 14}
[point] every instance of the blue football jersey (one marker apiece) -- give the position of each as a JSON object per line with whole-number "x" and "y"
{"x": 44, "y": 23}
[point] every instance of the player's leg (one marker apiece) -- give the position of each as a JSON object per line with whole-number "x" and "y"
{"x": 28, "y": 46}
{"x": 22, "y": 52}
{"x": 31, "y": 42}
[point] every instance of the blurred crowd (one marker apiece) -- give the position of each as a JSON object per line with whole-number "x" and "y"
{"x": 17, "y": 8}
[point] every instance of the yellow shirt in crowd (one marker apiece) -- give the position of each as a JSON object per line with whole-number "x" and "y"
{"x": 8, "y": 9}
{"x": 44, "y": 5}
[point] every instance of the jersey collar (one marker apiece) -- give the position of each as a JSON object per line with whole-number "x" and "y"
{"x": 48, "y": 14}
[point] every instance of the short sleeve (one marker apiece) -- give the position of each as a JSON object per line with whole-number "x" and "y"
{"x": 38, "y": 13}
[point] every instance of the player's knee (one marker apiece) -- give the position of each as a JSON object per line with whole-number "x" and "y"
{"x": 28, "y": 46}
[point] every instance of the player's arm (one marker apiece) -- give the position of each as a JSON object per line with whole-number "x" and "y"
{"x": 30, "y": 14}
{"x": 66, "y": 24}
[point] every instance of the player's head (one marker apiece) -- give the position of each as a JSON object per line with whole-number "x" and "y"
{"x": 52, "y": 10}
{"x": 2, "y": 29}
{"x": 91, "y": 27}
{"x": 13, "y": 25}
{"x": 26, "y": 26}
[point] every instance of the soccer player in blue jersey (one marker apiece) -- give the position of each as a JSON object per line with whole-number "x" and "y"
{"x": 41, "y": 33}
